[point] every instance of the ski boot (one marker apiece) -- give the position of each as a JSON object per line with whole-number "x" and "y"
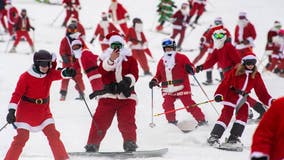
{"x": 207, "y": 83}
{"x": 202, "y": 123}
{"x": 173, "y": 122}
{"x": 159, "y": 28}
{"x": 213, "y": 140}
{"x": 81, "y": 96}
{"x": 13, "y": 50}
{"x": 147, "y": 73}
{"x": 129, "y": 146}
{"x": 233, "y": 143}
{"x": 63, "y": 95}
{"x": 92, "y": 148}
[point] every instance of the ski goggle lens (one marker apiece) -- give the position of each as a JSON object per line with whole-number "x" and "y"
{"x": 76, "y": 47}
{"x": 250, "y": 62}
{"x": 116, "y": 45}
{"x": 219, "y": 35}
{"x": 44, "y": 63}
{"x": 167, "y": 43}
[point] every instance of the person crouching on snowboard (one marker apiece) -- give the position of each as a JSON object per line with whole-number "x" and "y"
{"x": 172, "y": 72}
{"x": 119, "y": 72}
{"x": 31, "y": 101}
{"x": 232, "y": 93}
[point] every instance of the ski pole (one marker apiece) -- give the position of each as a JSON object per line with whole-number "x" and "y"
{"x": 6, "y": 49}
{"x": 152, "y": 124}
{"x": 205, "y": 94}
{"x": 3, "y": 126}
{"x": 185, "y": 107}
{"x": 58, "y": 15}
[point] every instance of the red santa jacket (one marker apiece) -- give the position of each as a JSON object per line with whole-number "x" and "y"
{"x": 180, "y": 20}
{"x": 244, "y": 82}
{"x": 22, "y": 24}
{"x": 175, "y": 81}
{"x": 136, "y": 40}
{"x": 247, "y": 33}
{"x": 118, "y": 13}
{"x": 268, "y": 139}
{"x": 71, "y": 4}
{"x": 12, "y": 15}
{"x": 114, "y": 72}
{"x": 104, "y": 28}
{"x": 31, "y": 116}
{"x": 66, "y": 53}
{"x": 270, "y": 35}
{"x": 227, "y": 57}
{"x": 89, "y": 63}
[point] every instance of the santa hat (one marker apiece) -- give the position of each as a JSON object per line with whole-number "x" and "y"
{"x": 183, "y": 5}
{"x": 114, "y": 37}
{"x": 242, "y": 15}
{"x": 76, "y": 42}
{"x": 249, "y": 56}
{"x": 104, "y": 14}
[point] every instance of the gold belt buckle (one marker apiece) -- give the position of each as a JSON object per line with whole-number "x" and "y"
{"x": 170, "y": 82}
{"x": 39, "y": 101}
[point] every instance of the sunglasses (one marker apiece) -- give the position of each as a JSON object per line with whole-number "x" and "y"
{"x": 76, "y": 47}
{"x": 250, "y": 62}
{"x": 168, "y": 43}
{"x": 219, "y": 35}
{"x": 116, "y": 45}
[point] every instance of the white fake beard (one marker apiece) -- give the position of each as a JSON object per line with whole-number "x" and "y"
{"x": 138, "y": 27}
{"x": 77, "y": 53}
{"x": 242, "y": 22}
{"x": 219, "y": 43}
{"x": 169, "y": 59}
{"x": 75, "y": 35}
{"x": 184, "y": 12}
{"x": 104, "y": 24}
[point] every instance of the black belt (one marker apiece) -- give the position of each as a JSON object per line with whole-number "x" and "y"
{"x": 238, "y": 91}
{"x": 109, "y": 88}
{"x": 227, "y": 69}
{"x": 172, "y": 82}
{"x": 91, "y": 69}
{"x": 36, "y": 100}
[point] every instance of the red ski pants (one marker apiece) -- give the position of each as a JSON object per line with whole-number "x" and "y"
{"x": 106, "y": 110}
{"x": 2, "y": 15}
{"x": 11, "y": 29}
{"x": 69, "y": 13}
{"x": 227, "y": 113}
{"x": 181, "y": 32}
{"x": 140, "y": 56}
{"x": 186, "y": 100}
{"x": 20, "y": 34}
{"x": 199, "y": 8}
{"x": 53, "y": 137}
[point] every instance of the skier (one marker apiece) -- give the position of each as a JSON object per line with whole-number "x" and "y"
{"x": 165, "y": 10}
{"x": 172, "y": 72}
{"x": 267, "y": 142}
{"x": 80, "y": 27}
{"x": 3, "y": 13}
{"x": 88, "y": 62}
{"x": 180, "y": 22}
{"x": 119, "y": 72}
{"x": 12, "y": 16}
{"x": 119, "y": 15}
{"x": 68, "y": 60}
{"x": 232, "y": 93}
{"x": 31, "y": 101}
{"x": 245, "y": 34}
{"x": 72, "y": 8}
{"x": 198, "y": 7}
{"x": 103, "y": 28}
{"x": 138, "y": 44}
{"x": 22, "y": 27}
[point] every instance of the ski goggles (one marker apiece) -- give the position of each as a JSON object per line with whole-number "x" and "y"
{"x": 116, "y": 45}
{"x": 219, "y": 35}
{"x": 44, "y": 63}
{"x": 76, "y": 47}
{"x": 168, "y": 43}
{"x": 249, "y": 62}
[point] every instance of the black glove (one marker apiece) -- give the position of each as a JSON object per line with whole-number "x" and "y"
{"x": 69, "y": 72}
{"x": 11, "y": 118}
{"x": 199, "y": 68}
{"x": 189, "y": 69}
{"x": 124, "y": 86}
{"x": 92, "y": 40}
{"x": 260, "y": 158}
{"x": 153, "y": 83}
{"x": 33, "y": 28}
{"x": 218, "y": 98}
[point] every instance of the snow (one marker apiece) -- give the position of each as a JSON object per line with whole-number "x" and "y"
{"x": 72, "y": 117}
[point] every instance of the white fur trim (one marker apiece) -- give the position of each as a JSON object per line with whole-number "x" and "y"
{"x": 12, "y": 106}
{"x": 222, "y": 124}
{"x": 108, "y": 65}
{"x": 228, "y": 104}
{"x": 270, "y": 101}
{"x": 95, "y": 76}
{"x": 243, "y": 14}
{"x": 240, "y": 122}
{"x": 118, "y": 96}
{"x": 34, "y": 74}
{"x": 257, "y": 154}
{"x": 133, "y": 80}
{"x": 38, "y": 128}
{"x": 116, "y": 38}
{"x": 76, "y": 42}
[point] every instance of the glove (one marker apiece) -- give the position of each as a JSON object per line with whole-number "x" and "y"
{"x": 11, "y": 118}
{"x": 92, "y": 40}
{"x": 69, "y": 72}
{"x": 124, "y": 86}
{"x": 199, "y": 68}
{"x": 218, "y": 98}
{"x": 189, "y": 69}
{"x": 33, "y": 28}
{"x": 153, "y": 83}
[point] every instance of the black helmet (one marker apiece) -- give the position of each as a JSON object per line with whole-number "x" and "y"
{"x": 72, "y": 28}
{"x": 136, "y": 20}
{"x": 168, "y": 42}
{"x": 42, "y": 58}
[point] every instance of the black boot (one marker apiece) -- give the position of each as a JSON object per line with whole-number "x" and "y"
{"x": 221, "y": 75}
{"x": 81, "y": 96}
{"x": 129, "y": 146}
{"x": 209, "y": 78}
{"x": 63, "y": 95}
{"x": 259, "y": 108}
{"x": 237, "y": 129}
{"x": 92, "y": 148}
{"x": 196, "y": 19}
{"x": 215, "y": 135}
{"x": 173, "y": 122}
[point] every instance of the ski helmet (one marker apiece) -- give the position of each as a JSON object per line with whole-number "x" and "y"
{"x": 72, "y": 28}
{"x": 168, "y": 42}
{"x": 42, "y": 58}
{"x": 136, "y": 20}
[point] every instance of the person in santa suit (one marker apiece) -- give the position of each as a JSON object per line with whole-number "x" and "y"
{"x": 88, "y": 62}
{"x": 68, "y": 60}
{"x": 119, "y": 15}
{"x": 80, "y": 27}
{"x": 172, "y": 72}
{"x": 180, "y": 22}
{"x": 232, "y": 93}
{"x": 245, "y": 34}
{"x": 72, "y": 8}
{"x": 119, "y": 72}
{"x": 12, "y": 16}
{"x": 3, "y": 13}
{"x": 198, "y": 7}
{"x": 103, "y": 28}
{"x": 268, "y": 140}
{"x": 22, "y": 27}
{"x": 29, "y": 109}
{"x": 138, "y": 44}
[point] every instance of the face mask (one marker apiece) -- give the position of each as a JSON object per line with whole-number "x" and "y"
{"x": 77, "y": 53}
{"x": 138, "y": 27}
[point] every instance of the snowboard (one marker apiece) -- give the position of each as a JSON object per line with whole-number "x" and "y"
{"x": 122, "y": 155}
